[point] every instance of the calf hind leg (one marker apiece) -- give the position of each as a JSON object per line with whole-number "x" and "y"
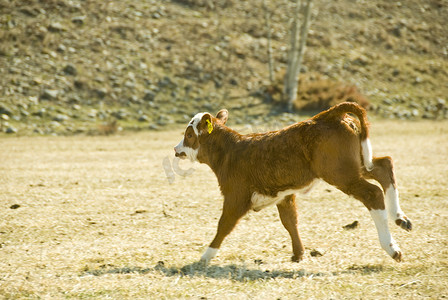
{"x": 372, "y": 197}
{"x": 288, "y": 215}
{"x": 384, "y": 174}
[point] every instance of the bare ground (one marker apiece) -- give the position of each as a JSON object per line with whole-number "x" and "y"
{"x": 97, "y": 217}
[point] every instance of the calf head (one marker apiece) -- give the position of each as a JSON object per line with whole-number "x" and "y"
{"x": 198, "y": 131}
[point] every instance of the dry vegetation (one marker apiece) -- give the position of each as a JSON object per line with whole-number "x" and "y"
{"x": 95, "y": 217}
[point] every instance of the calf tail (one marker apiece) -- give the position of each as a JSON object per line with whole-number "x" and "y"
{"x": 339, "y": 111}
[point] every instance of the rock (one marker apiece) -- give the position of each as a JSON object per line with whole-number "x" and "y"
{"x": 317, "y": 252}
{"x": 143, "y": 118}
{"x": 40, "y": 113}
{"x": 80, "y": 84}
{"x": 387, "y": 102}
{"x": 129, "y": 84}
{"x": 70, "y": 70}
{"x": 427, "y": 115}
{"x": 33, "y": 100}
{"x": 56, "y": 27}
{"x": 414, "y": 105}
{"x": 351, "y": 225}
{"x": 441, "y": 103}
{"x": 48, "y": 94}
{"x": 149, "y": 96}
{"x": 55, "y": 124}
{"x": 102, "y": 115}
{"x": 92, "y": 114}
{"x": 153, "y": 127}
{"x": 120, "y": 115}
{"x": 164, "y": 120}
{"x": 233, "y": 81}
{"x": 396, "y": 31}
{"x": 166, "y": 81}
{"x": 415, "y": 113}
{"x": 61, "y": 118}
{"x": 79, "y": 20}
{"x": 101, "y": 93}
{"x": 61, "y": 48}
{"x": 5, "y": 111}
{"x": 11, "y": 129}
{"x": 14, "y": 206}
{"x": 24, "y": 113}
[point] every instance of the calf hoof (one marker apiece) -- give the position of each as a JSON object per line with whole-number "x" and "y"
{"x": 296, "y": 258}
{"x": 404, "y": 223}
{"x": 397, "y": 256}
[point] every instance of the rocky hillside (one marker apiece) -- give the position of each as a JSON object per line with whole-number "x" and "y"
{"x": 80, "y": 66}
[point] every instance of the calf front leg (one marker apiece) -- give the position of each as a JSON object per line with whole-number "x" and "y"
{"x": 288, "y": 215}
{"x": 231, "y": 214}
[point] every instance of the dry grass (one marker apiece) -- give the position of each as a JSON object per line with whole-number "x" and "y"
{"x": 316, "y": 93}
{"x": 99, "y": 219}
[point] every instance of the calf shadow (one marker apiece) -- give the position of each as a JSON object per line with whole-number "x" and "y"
{"x": 232, "y": 272}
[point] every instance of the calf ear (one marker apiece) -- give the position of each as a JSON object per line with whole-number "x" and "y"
{"x": 222, "y": 116}
{"x": 206, "y": 125}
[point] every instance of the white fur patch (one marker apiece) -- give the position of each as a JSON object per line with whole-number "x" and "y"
{"x": 209, "y": 254}
{"x": 260, "y": 201}
{"x": 195, "y": 121}
{"x": 379, "y": 216}
{"x": 367, "y": 155}
{"x": 192, "y": 154}
{"x": 393, "y": 204}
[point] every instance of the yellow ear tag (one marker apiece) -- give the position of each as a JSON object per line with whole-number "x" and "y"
{"x": 209, "y": 126}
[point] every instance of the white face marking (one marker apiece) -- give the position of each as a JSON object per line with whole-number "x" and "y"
{"x": 367, "y": 155}
{"x": 379, "y": 216}
{"x": 209, "y": 254}
{"x": 260, "y": 201}
{"x": 191, "y": 153}
{"x": 393, "y": 204}
{"x": 195, "y": 121}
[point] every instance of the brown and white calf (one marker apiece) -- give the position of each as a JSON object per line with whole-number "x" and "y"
{"x": 261, "y": 169}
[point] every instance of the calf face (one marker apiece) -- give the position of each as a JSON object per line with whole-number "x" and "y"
{"x": 200, "y": 126}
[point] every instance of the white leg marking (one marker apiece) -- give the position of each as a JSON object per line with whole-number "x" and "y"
{"x": 209, "y": 254}
{"x": 393, "y": 204}
{"x": 379, "y": 216}
{"x": 367, "y": 155}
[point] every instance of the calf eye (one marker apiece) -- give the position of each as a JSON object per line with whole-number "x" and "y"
{"x": 189, "y": 135}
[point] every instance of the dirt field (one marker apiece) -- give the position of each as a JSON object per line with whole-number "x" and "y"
{"x": 97, "y": 217}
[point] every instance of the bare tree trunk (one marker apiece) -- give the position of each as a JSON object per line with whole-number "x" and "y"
{"x": 268, "y": 28}
{"x": 296, "y": 52}
{"x": 288, "y": 80}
